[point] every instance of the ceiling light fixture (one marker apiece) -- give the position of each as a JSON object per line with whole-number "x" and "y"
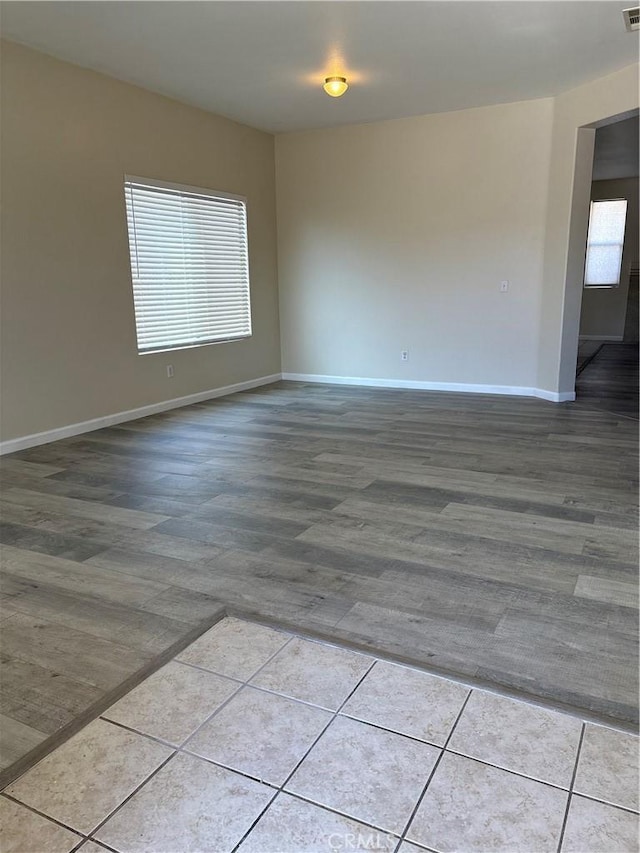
{"x": 335, "y": 86}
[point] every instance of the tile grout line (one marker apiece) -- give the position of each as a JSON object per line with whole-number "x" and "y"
{"x": 391, "y": 731}
{"x": 95, "y": 841}
{"x": 223, "y": 766}
{"x": 466, "y": 681}
{"x": 443, "y": 749}
{"x": 179, "y": 749}
{"x": 608, "y": 803}
{"x": 240, "y": 687}
{"x": 156, "y": 740}
{"x": 461, "y": 754}
{"x": 507, "y": 770}
{"x": 288, "y": 778}
{"x": 12, "y": 799}
{"x": 278, "y": 789}
{"x": 182, "y": 746}
{"x": 571, "y": 784}
{"x": 133, "y": 731}
{"x": 334, "y": 715}
{"x": 111, "y": 814}
{"x": 421, "y": 847}
{"x": 262, "y": 689}
{"x": 107, "y": 701}
{"x": 334, "y": 811}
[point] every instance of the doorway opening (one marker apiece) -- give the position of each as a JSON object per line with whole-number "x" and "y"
{"x": 607, "y": 363}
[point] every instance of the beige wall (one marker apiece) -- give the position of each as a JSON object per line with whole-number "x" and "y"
{"x": 392, "y": 236}
{"x": 604, "y": 309}
{"x": 568, "y": 217}
{"x": 396, "y": 235}
{"x": 68, "y": 333}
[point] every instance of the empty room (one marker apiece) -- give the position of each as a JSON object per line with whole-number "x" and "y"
{"x": 319, "y": 426}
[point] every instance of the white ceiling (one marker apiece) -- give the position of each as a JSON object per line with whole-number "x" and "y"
{"x": 616, "y": 151}
{"x": 263, "y": 63}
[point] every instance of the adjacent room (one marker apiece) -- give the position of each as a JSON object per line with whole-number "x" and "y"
{"x": 607, "y": 368}
{"x": 319, "y": 426}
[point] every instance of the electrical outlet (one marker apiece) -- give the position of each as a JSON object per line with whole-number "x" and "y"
{"x": 169, "y": 371}
{"x": 404, "y": 355}
{"x": 504, "y": 286}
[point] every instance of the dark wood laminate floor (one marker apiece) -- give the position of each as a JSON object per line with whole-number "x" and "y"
{"x": 491, "y": 537}
{"x": 608, "y": 377}
{"x": 587, "y": 350}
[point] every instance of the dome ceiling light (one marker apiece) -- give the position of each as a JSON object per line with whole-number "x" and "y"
{"x": 335, "y": 86}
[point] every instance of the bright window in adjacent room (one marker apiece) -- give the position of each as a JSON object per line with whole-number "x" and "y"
{"x": 189, "y": 265}
{"x": 604, "y": 243}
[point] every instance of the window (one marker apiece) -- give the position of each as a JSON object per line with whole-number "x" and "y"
{"x": 604, "y": 243}
{"x": 189, "y": 265}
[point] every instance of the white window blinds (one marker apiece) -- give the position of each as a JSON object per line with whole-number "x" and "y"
{"x": 189, "y": 265}
{"x": 605, "y": 242}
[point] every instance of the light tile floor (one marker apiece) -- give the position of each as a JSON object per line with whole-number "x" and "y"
{"x": 257, "y": 740}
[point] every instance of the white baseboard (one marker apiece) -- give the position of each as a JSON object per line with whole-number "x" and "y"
{"x": 458, "y": 387}
{"x": 555, "y": 396}
{"x": 25, "y": 441}
{"x": 604, "y": 338}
